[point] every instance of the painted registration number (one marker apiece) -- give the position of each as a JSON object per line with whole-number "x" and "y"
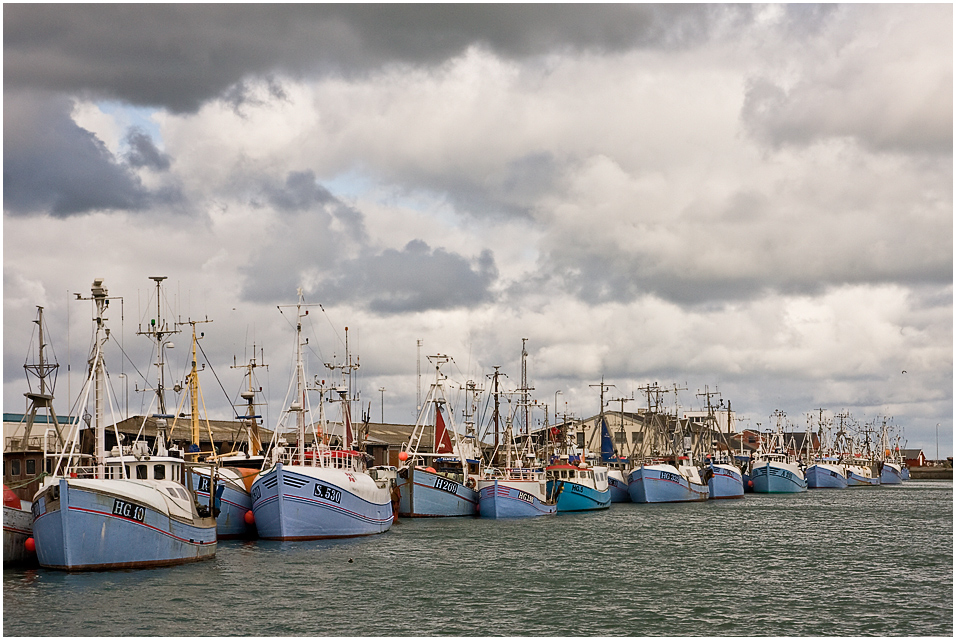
{"x": 128, "y": 510}
{"x": 327, "y": 493}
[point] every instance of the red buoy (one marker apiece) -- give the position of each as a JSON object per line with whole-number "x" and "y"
{"x": 750, "y": 483}
{"x": 250, "y": 517}
{"x": 30, "y": 545}
{"x": 403, "y": 456}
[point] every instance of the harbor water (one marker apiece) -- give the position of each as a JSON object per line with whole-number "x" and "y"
{"x": 856, "y": 562}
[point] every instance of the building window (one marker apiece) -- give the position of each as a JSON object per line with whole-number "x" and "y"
{"x": 620, "y": 437}
{"x": 637, "y": 437}
{"x": 581, "y": 439}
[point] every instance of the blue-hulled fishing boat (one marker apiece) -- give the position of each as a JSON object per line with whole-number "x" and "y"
{"x": 578, "y": 487}
{"x": 438, "y": 474}
{"x": 774, "y": 469}
{"x": 512, "y": 490}
{"x": 664, "y": 482}
{"x": 128, "y": 508}
{"x": 827, "y": 472}
{"x": 317, "y": 491}
{"x": 724, "y": 479}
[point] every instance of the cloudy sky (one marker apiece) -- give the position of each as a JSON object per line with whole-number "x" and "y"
{"x": 754, "y": 198}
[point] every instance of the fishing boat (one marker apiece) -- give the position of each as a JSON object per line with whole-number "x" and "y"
{"x": 512, "y": 490}
{"x": 231, "y": 474}
{"x": 664, "y": 473}
{"x": 617, "y": 465}
{"x": 24, "y": 463}
{"x": 662, "y": 481}
{"x": 578, "y": 487}
{"x": 130, "y": 507}
{"x": 320, "y": 489}
{"x": 774, "y": 469}
{"x": 724, "y": 478}
{"x": 891, "y": 466}
{"x": 862, "y": 468}
{"x": 438, "y": 474}
{"x": 862, "y": 472}
{"x": 826, "y": 470}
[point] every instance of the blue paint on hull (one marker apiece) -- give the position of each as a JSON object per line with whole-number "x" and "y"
{"x": 80, "y": 532}
{"x": 572, "y": 496}
{"x": 821, "y": 476}
{"x": 499, "y": 500}
{"x": 772, "y": 478}
{"x": 233, "y": 506}
{"x": 726, "y": 483}
{"x": 290, "y": 504}
{"x": 663, "y": 483}
{"x": 428, "y": 495}
{"x": 891, "y": 474}
{"x": 618, "y": 488}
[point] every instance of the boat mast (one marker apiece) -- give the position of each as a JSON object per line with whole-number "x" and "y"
{"x": 255, "y": 444}
{"x": 157, "y": 330}
{"x": 41, "y": 399}
{"x": 193, "y": 381}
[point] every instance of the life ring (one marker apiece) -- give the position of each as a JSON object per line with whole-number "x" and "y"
{"x": 470, "y": 483}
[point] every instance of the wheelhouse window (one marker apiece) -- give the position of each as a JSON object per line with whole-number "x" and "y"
{"x": 159, "y": 472}
{"x": 141, "y": 472}
{"x": 31, "y": 467}
{"x": 14, "y": 467}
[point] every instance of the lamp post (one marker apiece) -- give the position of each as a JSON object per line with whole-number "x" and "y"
{"x": 937, "y": 442}
{"x": 382, "y": 389}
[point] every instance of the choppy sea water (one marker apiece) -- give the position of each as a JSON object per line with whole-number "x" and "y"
{"x": 857, "y": 562}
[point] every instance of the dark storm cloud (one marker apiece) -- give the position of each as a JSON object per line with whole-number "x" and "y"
{"x": 52, "y": 165}
{"x": 178, "y": 56}
{"x": 417, "y": 278}
{"x": 303, "y": 192}
{"x": 143, "y": 153}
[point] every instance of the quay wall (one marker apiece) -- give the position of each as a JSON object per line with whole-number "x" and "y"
{"x": 931, "y": 473}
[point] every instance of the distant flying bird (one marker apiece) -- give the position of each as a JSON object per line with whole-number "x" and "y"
{"x": 904, "y": 370}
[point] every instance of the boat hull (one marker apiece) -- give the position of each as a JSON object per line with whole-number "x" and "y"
{"x": 777, "y": 477}
{"x": 17, "y": 527}
{"x": 312, "y": 503}
{"x": 432, "y": 495}
{"x": 825, "y": 476}
{"x": 726, "y": 482}
{"x": 891, "y": 473}
{"x": 617, "y": 483}
{"x": 96, "y": 526}
{"x": 573, "y": 496}
{"x": 234, "y": 501}
{"x": 659, "y": 483}
{"x": 857, "y": 476}
{"x": 512, "y": 499}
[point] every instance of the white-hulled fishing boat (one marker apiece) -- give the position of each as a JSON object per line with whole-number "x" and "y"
{"x": 132, "y": 508}
{"x": 317, "y": 491}
{"x": 438, "y": 475}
